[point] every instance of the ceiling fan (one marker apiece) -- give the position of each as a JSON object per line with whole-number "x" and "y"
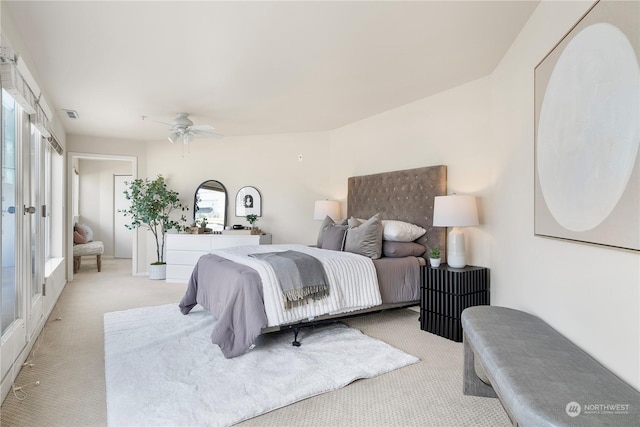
{"x": 183, "y": 128}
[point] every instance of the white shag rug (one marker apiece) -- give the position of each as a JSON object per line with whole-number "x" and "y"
{"x": 162, "y": 369}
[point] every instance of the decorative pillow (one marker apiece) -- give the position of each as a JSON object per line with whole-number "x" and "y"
{"x": 402, "y": 249}
{"x": 79, "y": 236}
{"x": 87, "y": 231}
{"x": 399, "y": 231}
{"x": 365, "y": 238}
{"x": 325, "y": 223}
{"x": 333, "y": 237}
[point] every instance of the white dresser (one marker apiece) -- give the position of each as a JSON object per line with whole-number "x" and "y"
{"x": 184, "y": 250}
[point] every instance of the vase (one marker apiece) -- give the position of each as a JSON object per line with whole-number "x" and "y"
{"x": 157, "y": 271}
{"x": 435, "y": 262}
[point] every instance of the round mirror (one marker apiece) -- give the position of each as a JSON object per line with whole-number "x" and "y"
{"x": 210, "y": 203}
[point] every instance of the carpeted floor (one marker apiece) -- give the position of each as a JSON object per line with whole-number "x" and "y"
{"x": 68, "y": 361}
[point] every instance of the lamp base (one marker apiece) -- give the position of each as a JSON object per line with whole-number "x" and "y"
{"x": 456, "y": 261}
{"x": 455, "y": 249}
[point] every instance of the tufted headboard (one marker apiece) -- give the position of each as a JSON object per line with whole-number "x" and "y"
{"x": 405, "y": 195}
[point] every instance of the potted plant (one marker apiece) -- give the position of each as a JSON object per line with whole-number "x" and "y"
{"x": 434, "y": 257}
{"x": 252, "y": 218}
{"x": 151, "y": 206}
{"x": 202, "y": 224}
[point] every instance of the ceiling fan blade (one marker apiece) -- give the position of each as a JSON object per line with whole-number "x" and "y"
{"x": 147, "y": 119}
{"x": 201, "y": 127}
{"x": 206, "y": 133}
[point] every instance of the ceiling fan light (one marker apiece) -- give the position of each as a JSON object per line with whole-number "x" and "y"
{"x": 173, "y": 137}
{"x": 188, "y": 137}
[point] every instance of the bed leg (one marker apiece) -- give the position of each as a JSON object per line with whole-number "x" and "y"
{"x": 295, "y": 342}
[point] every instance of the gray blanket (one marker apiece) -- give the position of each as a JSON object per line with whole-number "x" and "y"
{"x": 232, "y": 292}
{"x": 301, "y": 277}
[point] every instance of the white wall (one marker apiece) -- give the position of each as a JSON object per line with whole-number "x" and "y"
{"x": 270, "y": 163}
{"x": 451, "y": 128}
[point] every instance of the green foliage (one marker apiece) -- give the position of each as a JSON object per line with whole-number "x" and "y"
{"x": 252, "y": 218}
{"x": 434, "y": 253}
{"x": 151, "y": 206}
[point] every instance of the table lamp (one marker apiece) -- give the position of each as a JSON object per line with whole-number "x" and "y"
{"x": 324, "y": 208}
{"x": 455, "y": 211}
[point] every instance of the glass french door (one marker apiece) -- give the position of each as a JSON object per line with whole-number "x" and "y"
{"x": 13, "y": 323}
{"x": 22, "y": 263}
{"x": 34, "y": 225}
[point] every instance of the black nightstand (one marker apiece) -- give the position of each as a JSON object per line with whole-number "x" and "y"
{"x": 445, "y": 292}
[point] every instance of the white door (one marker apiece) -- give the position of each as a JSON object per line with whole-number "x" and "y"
{"x": 33, "y": 225}
{"x": 122, "y": 237}
{"x": 15, "y": 249}
{"x": 22, "y": 229}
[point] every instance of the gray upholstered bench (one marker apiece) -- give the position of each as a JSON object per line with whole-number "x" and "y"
{"x": 540, "y": 377}
{"x": 87, "y": 249}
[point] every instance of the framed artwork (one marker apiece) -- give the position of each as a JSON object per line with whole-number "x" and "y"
{"x": 587, "y": 132}
{"x": 248, "y": 202}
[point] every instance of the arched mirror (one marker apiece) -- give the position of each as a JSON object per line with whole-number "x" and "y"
{"x": 210, "y": 202}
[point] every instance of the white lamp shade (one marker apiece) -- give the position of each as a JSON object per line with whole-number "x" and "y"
{"x": 324, "y": 208}
{"x": 455, "y": 211}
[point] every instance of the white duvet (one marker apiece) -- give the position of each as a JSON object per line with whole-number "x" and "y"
{"x": 353, "y": 284}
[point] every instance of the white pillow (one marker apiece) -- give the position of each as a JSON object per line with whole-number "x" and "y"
{"x": 87, "y": 230}
{"x": 399, "y": 231}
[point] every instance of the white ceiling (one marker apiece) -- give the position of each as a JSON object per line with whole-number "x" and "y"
{"x": 254, "y": 67}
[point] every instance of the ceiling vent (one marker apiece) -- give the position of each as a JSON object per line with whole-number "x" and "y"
{"x": 72, "y": 114}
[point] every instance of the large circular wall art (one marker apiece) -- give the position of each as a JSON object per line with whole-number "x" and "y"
{"x": 591, "y": 102}
{"x": 588, "y": 133}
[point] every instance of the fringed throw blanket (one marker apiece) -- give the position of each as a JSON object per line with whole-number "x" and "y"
{"x": 301, "y": 276}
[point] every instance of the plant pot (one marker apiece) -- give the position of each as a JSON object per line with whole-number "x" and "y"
{"x": 157, "y": 271}
{"x": 435, "y": 262}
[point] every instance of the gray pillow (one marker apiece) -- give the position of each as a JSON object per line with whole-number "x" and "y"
{"x": 333, "y": 237}
{"x": 402, "y": 249}
{"x": 325, "y": 223}
{"x": 365, "y": 238}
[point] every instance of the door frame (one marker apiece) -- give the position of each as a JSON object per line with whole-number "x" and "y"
{"x": 131, "y": 233}
{"x": 71, "y": 156}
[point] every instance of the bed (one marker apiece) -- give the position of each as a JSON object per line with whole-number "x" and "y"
{"x": 242, "y": 290}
